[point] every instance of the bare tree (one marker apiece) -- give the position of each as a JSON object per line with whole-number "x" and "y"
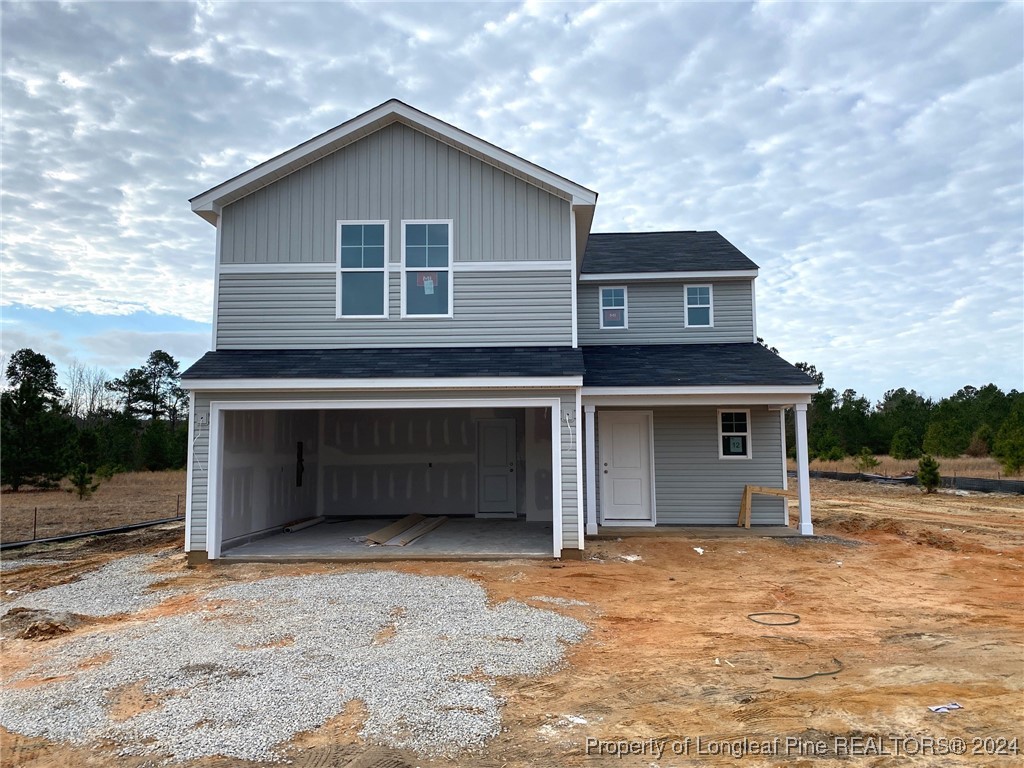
{"x": 85, "y": 390}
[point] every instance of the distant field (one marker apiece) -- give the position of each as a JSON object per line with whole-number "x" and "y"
{"x": 962, "y": 466}
{"x": 133, "y": 497}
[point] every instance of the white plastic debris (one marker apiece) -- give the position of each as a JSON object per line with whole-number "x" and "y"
{"x": 943, "y": 708}
{"x": 630, "y": 558}
{"x": 699, "y": 550}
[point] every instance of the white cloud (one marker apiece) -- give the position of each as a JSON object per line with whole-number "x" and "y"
{"x": 869, "y": 157}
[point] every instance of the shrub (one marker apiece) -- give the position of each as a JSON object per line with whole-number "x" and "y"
{"x": 904, "y": 444}
{"x": 865, "y": 461}
{"x": 82, "y": 482}
{"x": 928, "y": 473}
{"x": 981, "y": 441}
{"x": 1009, "y": 443}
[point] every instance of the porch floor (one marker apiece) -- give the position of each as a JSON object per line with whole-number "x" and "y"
{"x": 695, "y": 531}
{"x": 457, "y": 538}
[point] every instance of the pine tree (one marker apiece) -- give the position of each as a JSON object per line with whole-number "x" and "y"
{"x": 928, "y": 473}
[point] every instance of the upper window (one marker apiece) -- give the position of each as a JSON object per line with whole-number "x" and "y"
{"x": 613, "y": 308}
{"x": 362, "y": 281}
{"x": 427, "y": 268}
{"x": 699, "y": 311}
{"x": 734, "y": 434}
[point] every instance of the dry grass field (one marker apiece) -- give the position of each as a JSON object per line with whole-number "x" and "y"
{"x": 919, "y": 597}
{"x": 132, "y": 497}
{"x": 962, "y": 466}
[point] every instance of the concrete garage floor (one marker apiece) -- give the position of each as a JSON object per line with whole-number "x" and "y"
{"x": 457, "y": 538}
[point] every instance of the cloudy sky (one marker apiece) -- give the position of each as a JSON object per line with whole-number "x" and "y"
{"x": 869, "y": 157}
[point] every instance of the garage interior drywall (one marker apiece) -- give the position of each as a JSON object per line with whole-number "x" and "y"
{"x": 370, "y": 463}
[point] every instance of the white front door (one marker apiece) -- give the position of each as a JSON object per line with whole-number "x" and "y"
{"x": 625, "y": 467}
{"x": 496, "y": 462}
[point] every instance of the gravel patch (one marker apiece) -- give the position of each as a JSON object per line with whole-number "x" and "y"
{"x": 556, "y": 600}
{"x": 265, "y": 660}
{"x": 117, "y": 587}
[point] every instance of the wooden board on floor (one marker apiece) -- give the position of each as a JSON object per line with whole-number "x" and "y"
{"x": 425, "y": 526}
{"x": 399, "y": 526}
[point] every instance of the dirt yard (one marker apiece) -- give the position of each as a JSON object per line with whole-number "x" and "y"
{"x": 917, "y": 598}
{"x": 132, "y": 497}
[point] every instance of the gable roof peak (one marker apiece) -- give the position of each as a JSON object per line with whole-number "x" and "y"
{"x": 209, "y": 204}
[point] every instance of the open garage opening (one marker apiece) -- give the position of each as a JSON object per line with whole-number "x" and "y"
{"x": 487, "y": 469}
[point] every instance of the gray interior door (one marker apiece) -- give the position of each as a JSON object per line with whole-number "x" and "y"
{"x": 496, "y": 462}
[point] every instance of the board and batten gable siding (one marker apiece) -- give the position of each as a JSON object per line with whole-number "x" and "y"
{"x": 692, "y": 485}
{"x": 656, "y": 313}
{"x": 200, "y": 455}
{"x": 297, "y": 310}
{"x": 393, "y": 174}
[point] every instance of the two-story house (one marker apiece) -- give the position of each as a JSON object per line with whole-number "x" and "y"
{"x": 410, "y": 320}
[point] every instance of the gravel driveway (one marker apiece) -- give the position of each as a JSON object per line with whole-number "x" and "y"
{"x": 258, "y": 662}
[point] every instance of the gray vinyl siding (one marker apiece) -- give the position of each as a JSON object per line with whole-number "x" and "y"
{"x": 297, "y": 310}
{"x": 692, "y": 486}
{"x": 655, "y": 314}
{"x": 695, "y": 487}
{"x": 200, "y": 458}
{"x": 570, "y": 440}
{"x": 394, "y": 174}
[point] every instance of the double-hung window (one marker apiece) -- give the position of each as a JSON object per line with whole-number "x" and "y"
{"x": 613, "y": 308}
{"x": 427, "y": 268}
{"x": 734, "y": 434}
{"x": 362, "y": 269}
{"x": 699, "y": 306}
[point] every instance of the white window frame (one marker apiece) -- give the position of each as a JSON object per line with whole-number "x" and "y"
{"x": 450, "y": 270}
{"x": 686, "y": 305}
{"x": 748, "y": 434}
{"x": 339, "y": 270}
{"x": 625, "y": 307}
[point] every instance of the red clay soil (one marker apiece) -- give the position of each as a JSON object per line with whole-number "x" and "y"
{"x": 917, "y": 597}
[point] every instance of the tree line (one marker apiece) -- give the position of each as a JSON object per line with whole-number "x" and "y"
{"x": 85, "y": 422}
{"x": 974, "y": 421}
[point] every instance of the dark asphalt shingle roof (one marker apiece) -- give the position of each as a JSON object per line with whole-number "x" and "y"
{"x": 414, "y": 363}
{"x": 688, "y": 365}
{"x": 647, "y": 365}
{"x": 612, "y": 252}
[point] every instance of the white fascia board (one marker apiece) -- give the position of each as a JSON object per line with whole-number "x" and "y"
{"x": 702, "y": 275}
{"x": 750, "y": 395}
{"x": 344, "y": 385}
{"x": 389, "y": 111}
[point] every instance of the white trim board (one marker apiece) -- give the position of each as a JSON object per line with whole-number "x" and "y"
{"x": 784, "y": 391}
{"x": 325, "y": 267}
{"x": 348, "y": 385}
{"x": 611, "y": 277}
{"x": 193, "y": 435}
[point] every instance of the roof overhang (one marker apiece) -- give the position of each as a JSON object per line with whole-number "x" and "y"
{"x": 381, "y": 384}
{"x": 772, "y": 395}
{"x": 209, "y": 203}
{"x": 721, "y": 274}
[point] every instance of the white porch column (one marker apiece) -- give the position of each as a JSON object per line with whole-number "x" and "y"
{"x": 802, "y": 477}
{"x": 591, "y": 471}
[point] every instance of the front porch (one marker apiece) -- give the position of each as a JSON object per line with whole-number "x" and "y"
{"x": 695, "y": 532}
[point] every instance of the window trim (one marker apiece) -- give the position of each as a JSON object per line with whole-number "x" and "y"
{"x": 748, "y": 434}
{"x": 451, "y": 271}
{"x": 339, "y": 270}
{"x": 601, "y": 308}
{"x": 710, "y": 305}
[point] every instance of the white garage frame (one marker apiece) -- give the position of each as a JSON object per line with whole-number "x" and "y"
{"x": 219, "y": 407}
